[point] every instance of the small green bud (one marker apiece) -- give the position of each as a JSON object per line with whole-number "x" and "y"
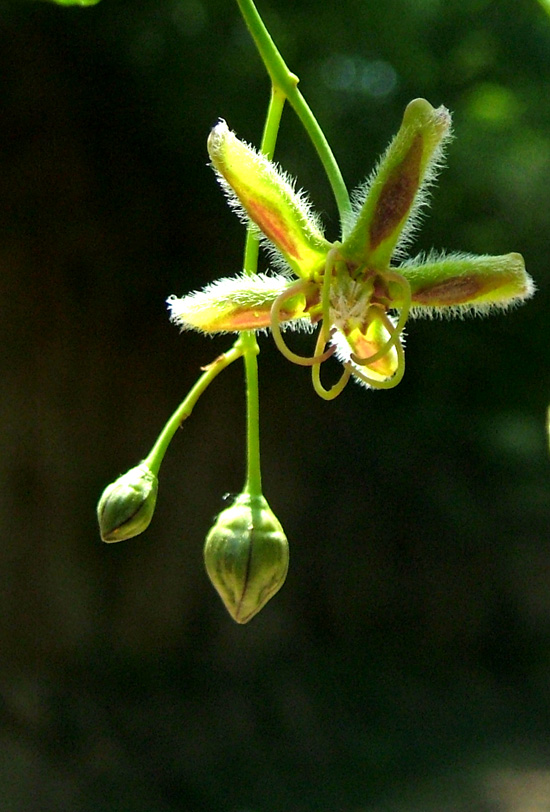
{"x": 246, "y": 556}
{"x": 126, "y": 506}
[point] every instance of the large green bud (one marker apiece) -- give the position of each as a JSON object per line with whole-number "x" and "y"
{"x": 126, "y": 506}
{"x": 246, "y": 556}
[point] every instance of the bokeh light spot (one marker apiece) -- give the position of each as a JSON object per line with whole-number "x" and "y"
{"x": 354, "y": 74}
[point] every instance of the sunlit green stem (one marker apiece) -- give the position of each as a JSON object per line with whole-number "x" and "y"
{"x": 283, "y": 79}
{"x": 269, "y": 139}
{"x": 247, "y": 340}
{"x": 253, "y": 484}
{"x": 156, "y": 455}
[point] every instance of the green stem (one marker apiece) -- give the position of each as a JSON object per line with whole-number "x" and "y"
{"x": 247, "y": 339}
{"x": 156, "y": 455}
{"x": 332, "y": 170}
{"x": 253, "y": 484}
{"x": 283, "y": 79}
{"x": 269, "y": 139}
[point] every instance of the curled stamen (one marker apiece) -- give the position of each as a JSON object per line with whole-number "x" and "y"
{"x": 325, "y": 293}
{"x": 276, "y": 307}
{"x": 389, "y": 383}
{"x": 396, "y": 331}
{"x": 334, "y": 391}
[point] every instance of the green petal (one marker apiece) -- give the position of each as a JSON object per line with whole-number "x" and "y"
{"x": 394, "y": 193}
{"x": 239, "y": 303}
{"x": 267, "y": 197}
{"x": 457, "y": 283}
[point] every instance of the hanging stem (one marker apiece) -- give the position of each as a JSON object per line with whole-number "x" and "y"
{"x": 287, "y": 82}
{"x": 269, "y": 139}
{"x": 253, "y": 484}
{"x": 284, "y": 86}
{"x": 247, "y": 340}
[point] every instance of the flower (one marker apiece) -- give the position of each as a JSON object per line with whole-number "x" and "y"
{"x": 361, "y": 290}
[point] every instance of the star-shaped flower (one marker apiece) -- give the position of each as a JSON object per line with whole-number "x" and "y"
{"x": 360, "y": 290}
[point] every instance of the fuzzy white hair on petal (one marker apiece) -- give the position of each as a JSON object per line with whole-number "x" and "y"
{"x": 245, "y": 291}
{"x": 286, "y": 184}
{"x": 422, "y": 199}
{"x": 194, "y": 311}
{"x": 415, "y": 268}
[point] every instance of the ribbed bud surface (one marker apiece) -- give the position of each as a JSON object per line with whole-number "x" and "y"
{"x": 126, "y": 506}
{"x": 246, "y": 556}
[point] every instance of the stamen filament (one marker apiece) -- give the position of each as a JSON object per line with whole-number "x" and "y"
{"x": 300, "y": 286}
{"x": 334, "y": 391}
{"x": 325, "y": 293}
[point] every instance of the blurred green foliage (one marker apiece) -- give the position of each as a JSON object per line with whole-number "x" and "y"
{"x": 75, "y": 2}
{"x": 405, "y": 666}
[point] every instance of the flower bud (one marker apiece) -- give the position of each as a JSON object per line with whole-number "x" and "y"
{"x": 246, "y": 556}
{"x": 126, "y": 506}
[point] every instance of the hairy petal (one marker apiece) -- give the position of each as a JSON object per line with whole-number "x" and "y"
{"x": 235, "y": 304}
{"x": 456, "y": 284}
{"x": 267, "y": 197}
{"x": 385, "y": 207}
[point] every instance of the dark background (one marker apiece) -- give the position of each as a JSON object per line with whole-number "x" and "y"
{"x": 405, "y": 665}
